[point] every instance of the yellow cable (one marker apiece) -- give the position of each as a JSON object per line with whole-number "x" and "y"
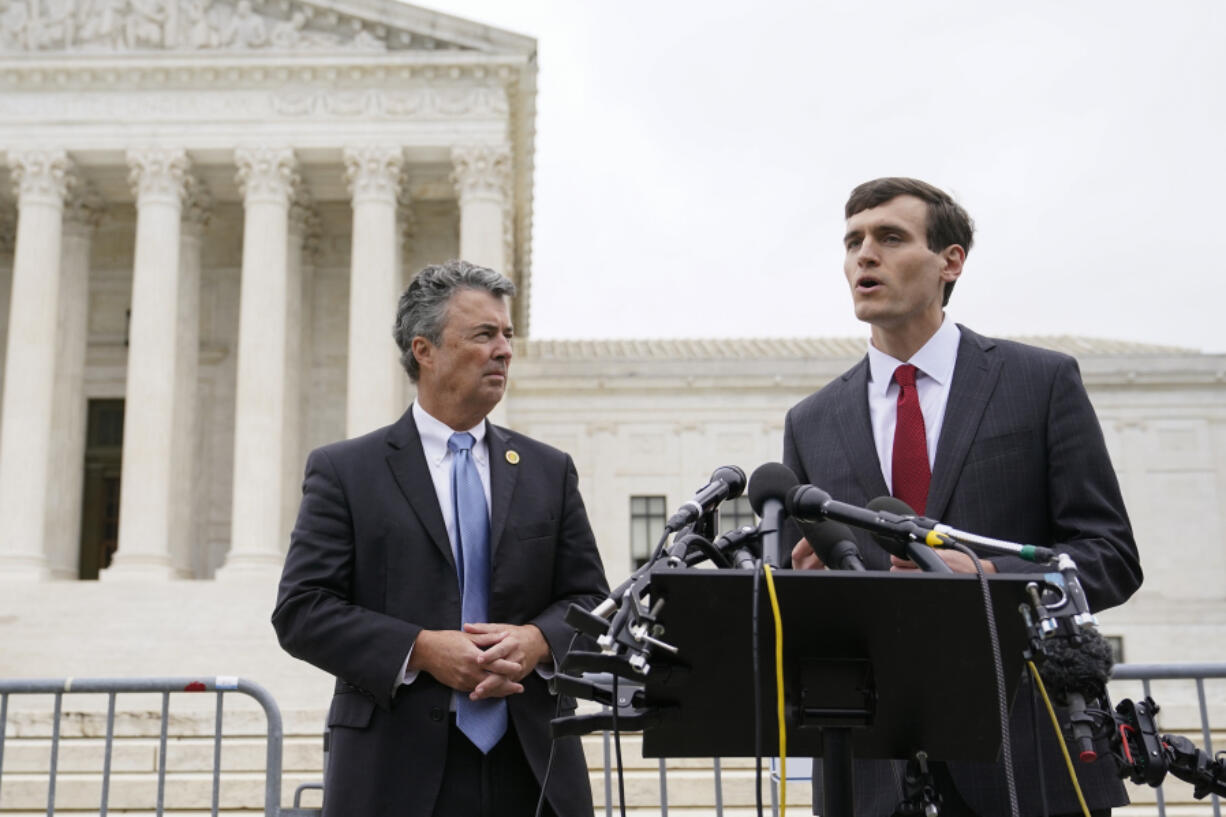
{"x": 783, "y": 735}
{"x": 1051, "y": 712}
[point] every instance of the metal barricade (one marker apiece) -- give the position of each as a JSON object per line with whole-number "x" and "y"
{"x": 1145, "y": 673}
{"x": 112, "y": 687}
{"x": 1148, "y": 673}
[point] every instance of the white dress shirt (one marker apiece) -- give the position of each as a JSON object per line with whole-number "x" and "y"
{"x": 935, "y": 361}
{"x": 434, "y": 436}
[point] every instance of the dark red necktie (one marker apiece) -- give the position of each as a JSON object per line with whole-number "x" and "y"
{"x": 910, "y": 470}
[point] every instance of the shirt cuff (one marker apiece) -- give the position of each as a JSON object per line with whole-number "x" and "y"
{"x": 406, "y": 676}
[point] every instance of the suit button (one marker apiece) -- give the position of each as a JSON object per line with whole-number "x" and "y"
{"x": 436, "y": 713}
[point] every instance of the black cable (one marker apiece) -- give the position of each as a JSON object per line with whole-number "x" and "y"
{"x": 617, "y": 744}
{"x": 553, "y": 742}
{"x": 998, "y": 665}
{"x": 757, "y": 692}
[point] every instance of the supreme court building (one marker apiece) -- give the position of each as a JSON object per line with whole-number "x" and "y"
{"x": 212, "y": 210}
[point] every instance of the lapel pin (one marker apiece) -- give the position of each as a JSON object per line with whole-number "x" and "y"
{"x": 513, "y": 457}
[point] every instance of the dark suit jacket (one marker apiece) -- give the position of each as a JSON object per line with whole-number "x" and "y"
{"x": 1021, "y": 457}
{"x": 370, "y": 566}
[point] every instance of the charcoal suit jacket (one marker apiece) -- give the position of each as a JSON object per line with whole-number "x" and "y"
{"x": 1021, "y": 457}
{"x": 370, "y": 565}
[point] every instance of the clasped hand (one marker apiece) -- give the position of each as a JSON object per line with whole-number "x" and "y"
{"x": 486, "y": 660}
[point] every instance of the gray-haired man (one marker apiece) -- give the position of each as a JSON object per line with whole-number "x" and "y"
{"x": 429, "y": 571}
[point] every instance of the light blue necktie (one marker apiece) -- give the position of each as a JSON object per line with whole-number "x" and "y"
{"x": 484, "y": 722}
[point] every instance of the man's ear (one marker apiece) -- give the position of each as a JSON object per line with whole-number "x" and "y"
{"x": 423, "y": 351}
{"x": 953, "y": 257}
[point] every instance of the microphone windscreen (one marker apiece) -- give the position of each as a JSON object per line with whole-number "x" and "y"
{"x": 1082, "y": 667}
{"x": 731, "y": 476}
{"x": 770, "y": 480}
{"x": 894, "y": 505}
{"x": 824, "y": 535}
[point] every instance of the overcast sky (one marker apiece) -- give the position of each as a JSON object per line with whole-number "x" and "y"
{"x": 692, "y": 160}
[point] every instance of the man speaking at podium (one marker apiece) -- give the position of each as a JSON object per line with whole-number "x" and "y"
{"x": 406, "y": 533}
{"x": 985, "y": 435}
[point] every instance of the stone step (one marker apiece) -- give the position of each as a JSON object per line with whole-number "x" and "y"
{"x": 139, "y": 791}
{"x": 141, "y": 754}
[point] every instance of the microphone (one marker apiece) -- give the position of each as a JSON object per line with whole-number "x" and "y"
{"x": 917, "y": 551}
{"x": 1031, "y": 553}
{"x": 808, "y": 502}
{"x": 1076, "y": 670}
{"x": 768, "y": 487}
{"x": 834, "y": 544}
{"x": 737, "y": 546}
{"x": 727, "y": 482}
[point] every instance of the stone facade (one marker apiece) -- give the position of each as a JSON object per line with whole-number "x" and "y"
{"x": 212, "y": 208}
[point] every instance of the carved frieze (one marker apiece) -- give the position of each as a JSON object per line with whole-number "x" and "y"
{"x": 426, "y": 101}
{"x": 119, "y": 26}
{"x": 256, "y": 105}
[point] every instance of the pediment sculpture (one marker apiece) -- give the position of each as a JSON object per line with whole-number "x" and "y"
{"x": 117, "y": 26}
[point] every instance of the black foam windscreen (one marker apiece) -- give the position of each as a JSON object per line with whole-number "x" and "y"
{"x": 1077, "y": 665}
{"x": 823, "y": 536}
{"x": 771, "y": 480}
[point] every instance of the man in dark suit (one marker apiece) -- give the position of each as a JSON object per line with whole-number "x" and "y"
{"x": 429, "y": 571}
{"x": 985, "y": 435}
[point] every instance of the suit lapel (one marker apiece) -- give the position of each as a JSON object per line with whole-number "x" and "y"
{"x": 975, "y": 376}
{"x": 856, "y": 432}
{"x": 503, "y": 473}
{"x": 412, "y": 474}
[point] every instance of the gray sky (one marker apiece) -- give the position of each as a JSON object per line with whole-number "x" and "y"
{"x": 693, "y": 160}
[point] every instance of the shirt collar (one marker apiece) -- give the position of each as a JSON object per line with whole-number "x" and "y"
{"x": 435, "y": 433}
{"x": 935, "y": 359}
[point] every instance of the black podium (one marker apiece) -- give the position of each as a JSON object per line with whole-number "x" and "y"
{"x": 876, "y": 665}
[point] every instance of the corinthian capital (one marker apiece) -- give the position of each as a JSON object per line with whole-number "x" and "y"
{"x": 8, "y": 228}
{"x": 158, "y": 173}
{"x": 374, "y": 171}
{"x": 43, "y": 175}
{"x": 197, "y": 206}
{"x": 84, "y": 206}
{"x": 304, "y": 222}
{"x": 266, "y": 173}
{"x": 481, "y": 170}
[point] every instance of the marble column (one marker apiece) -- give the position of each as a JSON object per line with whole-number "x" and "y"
{"x": 375, "y": 175}
{"x": 82, "y": 214}
{"x": 482, "y": 177}
{"x": 406, "y": 231}
{"x": 188, "y": 557}
{"x": 8, "y": 234}
{"x": 267, "y": 178}
{"x": 42, "y": 180}
{"x": 303, "y": 230}
{"x": 159, "y": 179}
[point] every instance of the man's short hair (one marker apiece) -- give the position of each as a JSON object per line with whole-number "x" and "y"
{"x": 948, "y": 223}
{"x": 422, "y": 310}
